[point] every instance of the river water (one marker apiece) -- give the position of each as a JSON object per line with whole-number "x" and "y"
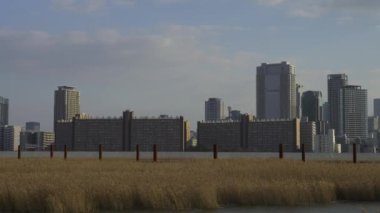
{"x": 198, "y": 155}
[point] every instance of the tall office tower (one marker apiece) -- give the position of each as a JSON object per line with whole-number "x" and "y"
{"x": 298, "y": 92}
{"x": 334, "y": 83}
{"x": 10, "y": 137}
{"x": 325, "y": 112}
{"x": 354, "y": 112}
{"x": 376, "y": 107}
{"x": 66, "y": 103}
{"x": 32, "y": 126}
{"x": 4, "y": 113}
{"x": 276, "y": 91}
{"x": 311, "y": 103}
{"x": 214, "y": 109}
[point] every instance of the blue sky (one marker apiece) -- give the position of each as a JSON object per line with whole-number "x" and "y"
{"x": 168, "y": 56}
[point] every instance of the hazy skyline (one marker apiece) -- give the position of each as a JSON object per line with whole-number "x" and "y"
{"x": 169, "y": 56}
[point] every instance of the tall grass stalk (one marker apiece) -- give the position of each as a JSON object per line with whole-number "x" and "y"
{"x": 85, "y": 185}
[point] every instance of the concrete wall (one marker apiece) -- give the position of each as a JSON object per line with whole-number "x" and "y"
{"x": 227, "y": 135}
{"x": 265, "y": 136}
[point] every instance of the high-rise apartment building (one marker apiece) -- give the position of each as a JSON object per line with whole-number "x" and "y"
{"x": 276, "y": 91}
{"x": 354, "y": 112}
{"x": 214, "y": 109}
{"x": 66, "y": 103}
{"x": 311, "y": 105}
{"x": 334, "y": 83}
{"x": 4, "y": 111}
{"x": 298, "y": 97}
{"x": 376, "y": 107}
{"x": 9, "y": 138}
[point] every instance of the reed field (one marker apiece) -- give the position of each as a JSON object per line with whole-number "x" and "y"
{"x": 88, "y": 185}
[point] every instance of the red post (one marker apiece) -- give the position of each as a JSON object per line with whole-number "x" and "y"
{"x": 137, "y": 152}
{"x": 303, "y": 152}
{"x": 154, "y": 152}
{"x": 100, "y": 152}
{"x": 18, "y": 152}
{"x": 354, "y": 152}
{"x": 51, "y": 151}
{"x": 215, "y": 149}
{"x": 280, "y": 151}
{"x": 65, "y": 151}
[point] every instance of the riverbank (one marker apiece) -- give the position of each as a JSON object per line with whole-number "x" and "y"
{"x": 87, "y": 185}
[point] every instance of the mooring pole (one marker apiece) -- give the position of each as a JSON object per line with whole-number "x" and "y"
{"x": 137, "y": 152}
{"x": 154, "y": 152}
{"x": 354, "y": 152}
{"x": 280, "y": 151}
{"x": 51, "y": 151}
{"x": 100, "y": 152}
{"x": 215, "y": 149}
{"x": 303, "y": 152}
{"x": 65, "y": 151}
{"x": 19, "y": 152}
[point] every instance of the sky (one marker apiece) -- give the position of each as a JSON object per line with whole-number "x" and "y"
{"x": 169, "y": 56}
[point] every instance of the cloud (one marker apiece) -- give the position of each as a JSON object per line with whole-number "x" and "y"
{"x": 170, "y": 71}
{"x": 316, "y": 8}
{"x": 270, "y": 2}
{"x": 88, "y": 6}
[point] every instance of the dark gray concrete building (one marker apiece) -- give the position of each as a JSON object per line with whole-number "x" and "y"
{"x": 276, "y": 96}
{"x": 4, "y": 111}
{"x": 334, "y": 83}
{"x": 214, "y": 109}
{"x": 311, "y": 105}
{"x": 246, "y": 135}
{"x": 123, "y": 134}
{"x": 376, "y": 107}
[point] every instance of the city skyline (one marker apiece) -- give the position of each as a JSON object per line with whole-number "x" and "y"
{"x": 172, "y": 60}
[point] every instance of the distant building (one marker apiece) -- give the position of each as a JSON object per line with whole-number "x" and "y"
{"x": 234, "y": 115}
{"x": 257, "y": 135}
{"x": 354, "y": 112}
{"x": 325, "y": 142}
{"x": 299, "y": 101}
{"x": 214, "y": 109}
{"x": 335, "y": 82}
{"x": 32, "y": 126}
{"x": 9, "y": 138}
{"x": 66, "y": 103}
{"x": 36, "y": 141}
{"x": 373, "y": 123}
{"x": 307, "y": 134}
{"x": 123, "y": 134}
{"x": 376, "y": 107}
{"x": 311, "y": 103}
{"x": 4, "y": 111}
{"x": 276, "y": 96}
{"x": 325, "y": 112}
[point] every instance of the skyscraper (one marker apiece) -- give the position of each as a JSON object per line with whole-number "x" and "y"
{"x": 10, "y": 138}
{"x": 214, "y": 109}
{"x": 376, "y": 107}
{"x": 334, "y": 83}
{"x": 66, "y": 103}
{"x": 276, "y": 91}
{"x": 311, "y": 103}
{"x": 354, "y": 112}
{"x": 4, "y": 111}
{"x": 298, "y": 97}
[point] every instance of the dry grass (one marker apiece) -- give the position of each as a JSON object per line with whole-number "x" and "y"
{"x": 84, "y": 185}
